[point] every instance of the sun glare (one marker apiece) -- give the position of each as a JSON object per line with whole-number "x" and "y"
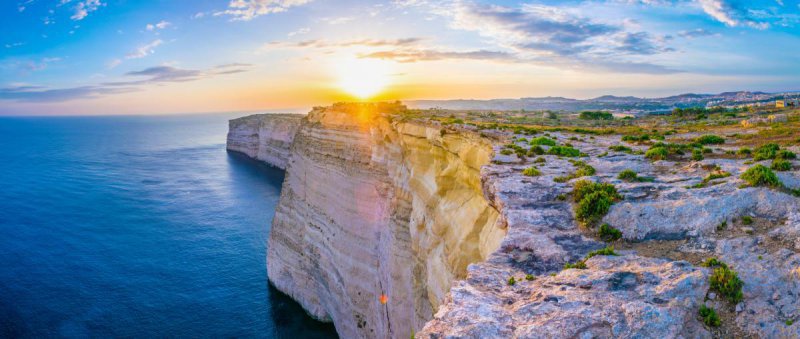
{"x": 363, "y": 78}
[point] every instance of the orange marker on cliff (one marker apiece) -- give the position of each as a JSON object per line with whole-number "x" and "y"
{"x": 384, "y": 299}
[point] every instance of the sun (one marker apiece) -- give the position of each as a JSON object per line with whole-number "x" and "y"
{"x": 363, "y": 78}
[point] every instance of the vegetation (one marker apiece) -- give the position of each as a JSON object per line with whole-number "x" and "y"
{"x": 588, "y": 115}
{"x": 529, "y": 277}
{"x": 540, "y": 160}
{"x": 564, "y": 151}
{"x": 765, "y": 152}
{"x": 709, "y": 140}
{"x": 760, "y": 175}
{"x": 531, "y": 172}
{"x": 709, "y": 316}
{"x": 594, "y": 200}
{"x": 609, "y": 233}
{"x": 536, "y": 150}
{"x": 656, "y": 153}
{"x": 634, "y": 138}
{"x": 512, "y": 281}
{"x": 621, "y": 148}
{"x": 581, "y": 264}
{"x": 628, "y": 175}
{"x": 726, "y": 282}
{"x": 747, "y": 220}
{"x": 781, "y": 165}
{"x": 543, "y": 141}
{"x": 697, "y": 155}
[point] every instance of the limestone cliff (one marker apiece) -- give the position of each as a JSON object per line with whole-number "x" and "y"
{"x": 265, "y": 137}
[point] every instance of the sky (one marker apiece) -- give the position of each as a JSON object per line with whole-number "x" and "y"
{"x": 93, "y": 57}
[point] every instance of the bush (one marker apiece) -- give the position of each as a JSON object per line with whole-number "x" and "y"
{"x": 543, "y": 141}
{"x": 726, "y": 283}
{"x": 593, "y": 207}
{"x": 512, "y": 281}
{"x": 656, "y": 153}
{"x": 536, "y": 150}
{"x": 627, "y": 175}
{"x": 507, "y": 152}
{"x": 709, "y": 140}
{"x": 531, "y": 172}
{"x": 587, "y": 115}
{"x": 760, "y": 175}
{"x": 744, "y": 151}
{"x": 603, "y": 251}
{"x": 609, "y": 233}
{"x": 709, "y": 316}
{"x": 785, "y": 154}
{"x": 529, "y": 277}
{"x": 781, "y": 165}
{"x": 621, "y": 148}
{"x": 713, "y": 262}
{"x": 633, "y": 138}
{"x": 768, "y": 151}
{"x": 747, "y": 220}
{"x": 697, "y": 155}
{"x": 564, "y": 151}
{"x": 580, "y": 264}
{"x": 540, "y": 160}
{"x": 584, "y": 187}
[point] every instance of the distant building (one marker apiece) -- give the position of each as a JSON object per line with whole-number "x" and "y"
{"x": 780, "y": 104}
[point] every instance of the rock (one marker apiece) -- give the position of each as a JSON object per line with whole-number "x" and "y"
{"x": 712, "y": 295}
{"x": 739, "y": 307}
{"x": 265, "y": 137}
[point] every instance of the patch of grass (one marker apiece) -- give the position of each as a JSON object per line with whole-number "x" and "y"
{"x": 709, "y": 316}
{"x": 726, "y": 283}
{"x": 540, "y": 160}
{"x": 656, "y": 153}
{"x": 781, "y": 165}
{"x": 634, "y": 138}
{"x": 713, "y": 262}
{"x": 765, "y": 152}
{"x": 531, "y": 172}
{"x": 709, "y": 140}
{"x": 785, "y": 155}
{"x": 507, "y": 152}
{"x": 747, "y": 220}
{"x": 621, "y": 148}
{"x": 609, "y": 250}
{"x": 580, "y": 264}
{"x": 722, "y": 226}
{"x": 760, "y": 175}
{"x": 627, "y": 175}
{"x": 564, "y": 151}
{"x": 697, "y": 155}
{"x": 609, "y": 233}
{"x": 744, "y": 151}
{"x": 529, "y": 277}
{"x": 543, "y": 141}
{"x": 536, "y": 150}
{"x": 512, "y": 281}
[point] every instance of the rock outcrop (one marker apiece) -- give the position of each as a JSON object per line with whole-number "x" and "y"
{"x": 438, "y": 220}
{"x": 265, "y": 137}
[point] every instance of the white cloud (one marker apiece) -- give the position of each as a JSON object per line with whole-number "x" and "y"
{"x": 161, "y": 25}
{"x": 144, "y": 50}
{"x": 245, "y": 10}
{"x": 83, "y": 8}
{"x": 300, "y": 31}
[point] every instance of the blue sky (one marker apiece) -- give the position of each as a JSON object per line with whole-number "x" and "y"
{"x": 151, "y": 56}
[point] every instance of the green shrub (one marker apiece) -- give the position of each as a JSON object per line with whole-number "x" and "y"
{"x": 768, "y": 151}
{"x": 564, "y": 151}
{"x": 536, "y": 150}
{"x": 747, "y": 220}
{"x": 726, "y": 283}
{"x": 585, "y": 171}
{"x": 760, "y": 175}
{"x": 580, "y": 264}
{"x": 543, "y": 141}
{"x": 633, "y": 138}
{"x": 529, "y": 277}
{"x": 709, "y": 140}
{"x": 621, "y": 148}
{"x": 540, "y": 160}
{"x": 656, "y": 153}
{"x": 744, "y": 151}
{"x": 593, "y": 207}
{"x": 609, "y": 250}
{"x": 707, "y": 150}
{"x": 587, "y": 115}
{"x": 713, "y": 262}
{"x": 507, "y": 152}
{"x": 709, "y": 316}
{"x": 781, "y": 165}
{"x": 627, "y": 175}
{"x": 512, "y": 281}
{"x": 697, "y": 155}
{"x": 531, "y": 172}
{"x": 785, "y": 154}
{"x": 584, "y": 187}
{"x": 609, "y": 233}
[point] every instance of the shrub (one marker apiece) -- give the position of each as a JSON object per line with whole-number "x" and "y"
{"x": 633, "y": 138}
{"x": 744, "y": 151}
{"x": 656, "y": 153}
{"x": 709, "y": 316}
{"x": 531, "y": 172}
{"x": 621, "y": 148}
{"x": 507, "y": 152}
{"x": 719, "y": 174}
{"x": 785, "y": 154}
{"x": 713, "y": 262}
{"x": 726, "y": 282}
{"x": 580, "y": 264}
{"x": 707, "y": 150}
{"x": 609, "y": 233}
{"x": 697, "y": 155}
{"x": 709, "y": 140}
{"x": 529, "y": 277}
{"x": 603, "y": 251}
{"x": 627, "y": 175}
{"x": 768, "y": 151}
{"x": 584, "y": 187}
{"x": 564, "y": 151}
{"x": 781, "y": 165}
{"x": 593, "y": 207}
{"x": 587, "y": 115}
{"x": 747, "y": 220}
{"x": 512, "y": 281}
{"x": 760, "y": 175}
{"x": 536, "y": 150}
{"x": 540, "y": 160}
{"x": 543, "y": 141}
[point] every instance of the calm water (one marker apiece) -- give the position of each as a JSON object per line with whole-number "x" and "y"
{"x": 136, "y": 227}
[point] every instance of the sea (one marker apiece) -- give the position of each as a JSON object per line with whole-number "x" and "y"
{"x": 139, "y": 227}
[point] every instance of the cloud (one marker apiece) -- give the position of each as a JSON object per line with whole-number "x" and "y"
{"x": 83, "y": 8}
{"x": 417, "y": 55}
{"x": 246, "y": 10}
{"x": 161, "y": 25}
{"x": 144, "y": 50}
{"x": 300, "y": 31}
{"x": 346, "y": 43}
{"x": 150, "y": 76}
{"x": 695, "y": 33}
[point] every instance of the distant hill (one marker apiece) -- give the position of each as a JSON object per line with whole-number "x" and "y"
{"x": 606, "y": 102}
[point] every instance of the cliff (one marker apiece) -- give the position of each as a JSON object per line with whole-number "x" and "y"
{"x": 265, "y": 137}
{"x": 463, "y": 244}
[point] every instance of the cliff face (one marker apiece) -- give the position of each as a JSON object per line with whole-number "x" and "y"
{"x": 371, "y": 207}
{"x": 265, "y": 137}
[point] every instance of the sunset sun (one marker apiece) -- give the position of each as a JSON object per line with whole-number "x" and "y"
{"x": 363, "y": 78}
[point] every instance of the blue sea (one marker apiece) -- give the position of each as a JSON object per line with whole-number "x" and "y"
{"x": 137, "y": 227}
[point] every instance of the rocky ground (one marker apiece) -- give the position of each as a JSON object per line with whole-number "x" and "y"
{"x": 654, "y": 285}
